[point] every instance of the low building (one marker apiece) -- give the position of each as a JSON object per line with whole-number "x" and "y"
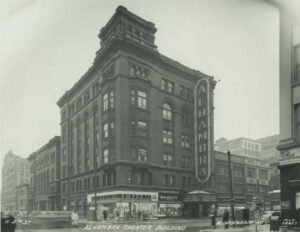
{"x": 45, "y": 177}
{"x": 250, "y": 179}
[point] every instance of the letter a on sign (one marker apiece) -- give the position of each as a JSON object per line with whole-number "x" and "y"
{"x": 202, "y": 130}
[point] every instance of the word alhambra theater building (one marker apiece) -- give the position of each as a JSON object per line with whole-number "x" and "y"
{"x": 129, "y": 134}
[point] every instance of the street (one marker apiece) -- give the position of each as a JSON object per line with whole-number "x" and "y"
{"x": 157, "y": 225}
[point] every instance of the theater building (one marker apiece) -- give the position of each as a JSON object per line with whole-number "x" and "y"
{"x": 128, "y": 127}
{"x": 44, "y": 189}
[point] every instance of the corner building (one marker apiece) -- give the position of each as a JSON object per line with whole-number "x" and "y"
{"x": 128, "y": 128}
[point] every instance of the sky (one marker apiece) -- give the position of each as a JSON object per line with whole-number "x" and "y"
{"x": 47, "y": 45}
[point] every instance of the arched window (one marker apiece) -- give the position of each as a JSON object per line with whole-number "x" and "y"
{"x": 167, "y": 111}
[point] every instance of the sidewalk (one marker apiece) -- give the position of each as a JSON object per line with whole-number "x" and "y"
{"x": 147, "y": 221}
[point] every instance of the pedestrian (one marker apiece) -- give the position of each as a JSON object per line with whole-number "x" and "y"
{"x": 140, "y": 215}
{"x": 226, "y": 219}
{"x": 213, "y": 216}
{"x": 104, "y": 215}
{"x": 75, "y": 219}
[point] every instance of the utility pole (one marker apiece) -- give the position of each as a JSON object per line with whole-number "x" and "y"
{"x": 231, "y": 190}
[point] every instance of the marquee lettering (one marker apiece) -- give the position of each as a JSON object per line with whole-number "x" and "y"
{"x": 202, "y": 130}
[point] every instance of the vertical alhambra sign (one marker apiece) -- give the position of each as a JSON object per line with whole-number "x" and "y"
{"x": 202, "y": 130}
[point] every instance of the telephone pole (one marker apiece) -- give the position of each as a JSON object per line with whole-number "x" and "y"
{"x": 231, "y": 190}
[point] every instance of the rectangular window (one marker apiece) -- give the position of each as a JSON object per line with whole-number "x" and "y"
{"x": 87, "y": 97}
{"x": 185, "y": 141}
{"x": 141, "y": 128}
{"x": 223, "y": 169}
{"x": 108, "y": 101}
{"x": 263, "y": 174}
{"x": 238, "y": 172}
{"x": 182, "y": 91}
{"x": 105, "y": 156}
{"x": 186, "y": 162}
{"x": 183, "y": 182}
{"x": 189, "y": 93}
{"x": 105, "y": 130}
{"x": 142, "y": 155}
{"x": 238, "y": 188}
{"x": 167, "y": 137}
{"x": 163, "y": 84}
{"x": 168, "y": 160}
{"x": 105, "y": 102}
{"x": 223, "y": 187}
{"x": 251, "y": 172}
{"x": 170, "y": 86}
{"x": 250, "y": 188}
{"x": 142, "y": 99}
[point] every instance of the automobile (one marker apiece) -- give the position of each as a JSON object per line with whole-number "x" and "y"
{"x": 265, "y": 218}
{"x": 8, "y": 222}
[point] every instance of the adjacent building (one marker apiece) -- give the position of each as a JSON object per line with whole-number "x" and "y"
{"x": 250, "y": 178}
{"x": 239, "y": 146}
{"x": 44, "y": 189}
{"x": 15, "y": 173}
{"x": 128, "y": 127}
{"x": 289, "y": 144}
{"x": 269, "y": 147}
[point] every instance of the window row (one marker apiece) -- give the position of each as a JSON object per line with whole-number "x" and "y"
{"x": 107, "y": 101}
{"x": 169, "y": 86}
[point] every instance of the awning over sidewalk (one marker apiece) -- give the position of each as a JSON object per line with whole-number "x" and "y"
{"x": 200, "y": 196}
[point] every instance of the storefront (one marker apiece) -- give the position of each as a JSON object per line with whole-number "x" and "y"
{"x": 198, "y": 204}
{"x": 169, "y": 204}
{"x": 124, "y": 204}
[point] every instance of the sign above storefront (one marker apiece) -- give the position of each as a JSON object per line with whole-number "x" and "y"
{"x": 285, "y": 204}
{"x": 202, "y": 111}
{"x": 169, "y": 197}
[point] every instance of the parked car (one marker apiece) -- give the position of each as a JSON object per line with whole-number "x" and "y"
{"x": 8, "y": 222}
{"x": 265, "y": 218}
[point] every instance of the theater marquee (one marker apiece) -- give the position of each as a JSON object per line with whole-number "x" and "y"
{"x": 202, "y": 130}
